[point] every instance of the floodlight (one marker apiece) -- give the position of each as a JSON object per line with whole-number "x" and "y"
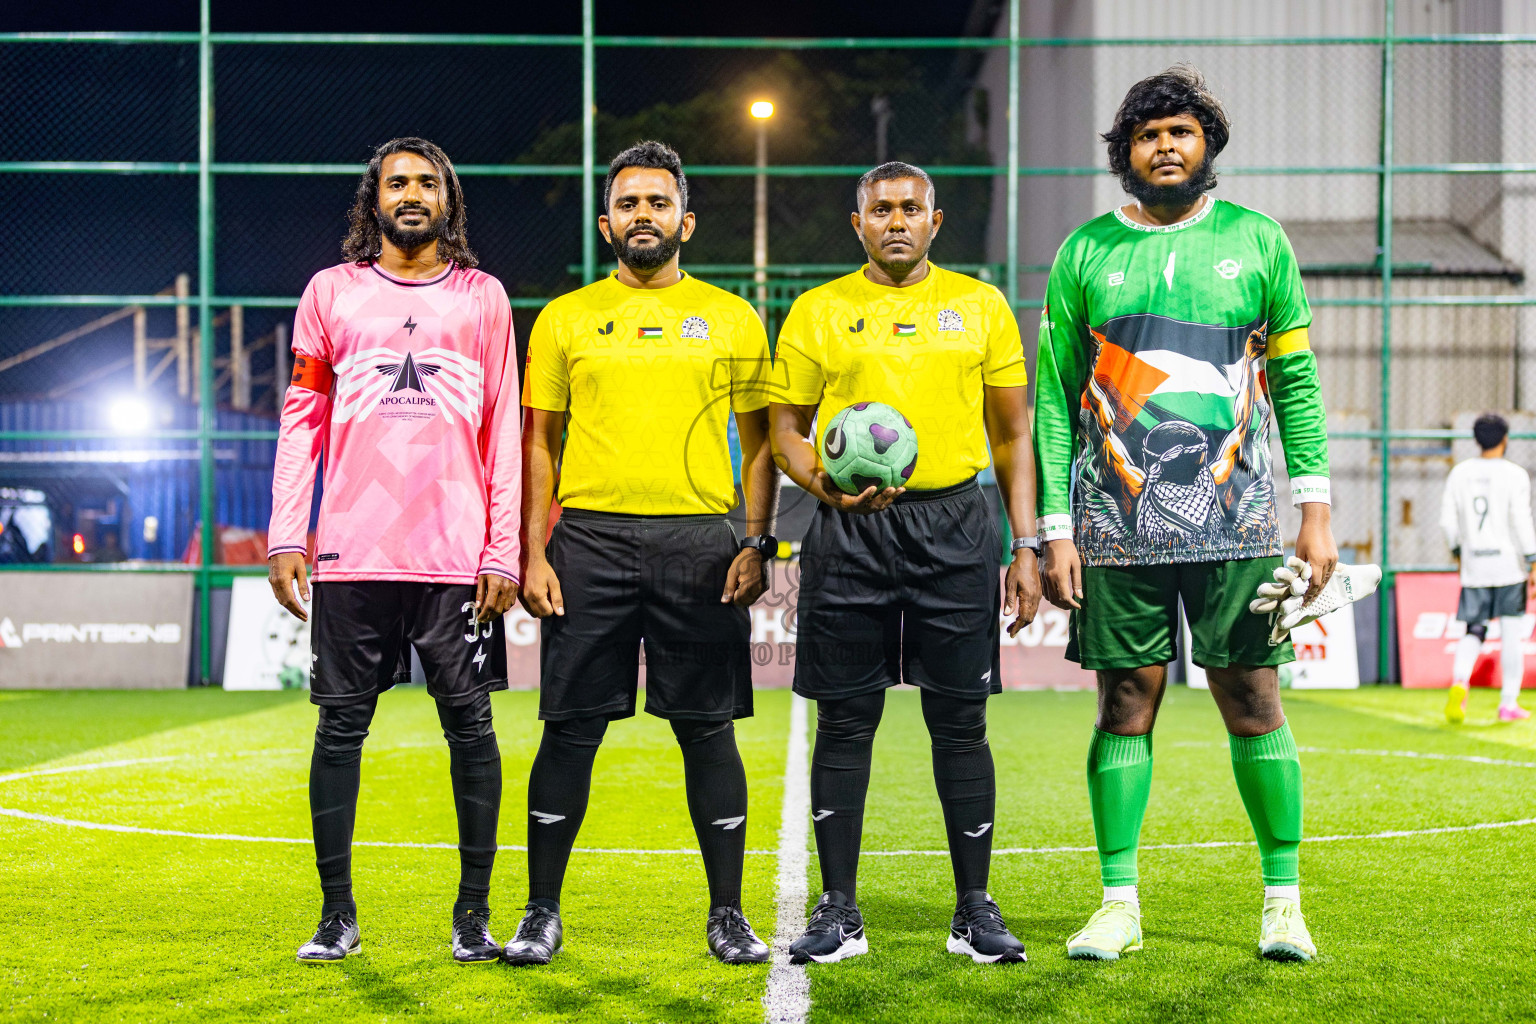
{"x": 130, "y": 415}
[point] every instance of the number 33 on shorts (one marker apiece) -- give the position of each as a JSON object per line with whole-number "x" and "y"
{"x": 478, "y": 632}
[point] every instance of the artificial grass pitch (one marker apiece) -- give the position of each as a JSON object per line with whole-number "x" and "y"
{"x": 129, "y": 926}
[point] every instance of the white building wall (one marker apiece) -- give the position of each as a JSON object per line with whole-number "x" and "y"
{"x": 1517, "y": 222}
{"x": 1290, "y": 106}
{"x": 1055, "y": 92}
{"x": 1274, "y": 95}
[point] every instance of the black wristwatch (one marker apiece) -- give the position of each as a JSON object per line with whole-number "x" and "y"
{"x": 765, "y": 544}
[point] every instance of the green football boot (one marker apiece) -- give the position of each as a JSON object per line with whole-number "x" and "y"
{"x": 1113, "y": 929}
{"x": 1283, "y": 934}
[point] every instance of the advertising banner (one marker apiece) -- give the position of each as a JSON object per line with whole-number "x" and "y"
{"x": 94, "y": 630}
{"x": 1032, "y": 660}
{"x": 267, "y": 649}
{"x": 1427, "y": 631}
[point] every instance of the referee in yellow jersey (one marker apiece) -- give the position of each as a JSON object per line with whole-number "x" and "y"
{"x": 640, "y": 372}
{"x": 901, "y": 585}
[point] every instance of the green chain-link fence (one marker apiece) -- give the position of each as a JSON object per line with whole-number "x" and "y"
{"x": 174, "y": 191}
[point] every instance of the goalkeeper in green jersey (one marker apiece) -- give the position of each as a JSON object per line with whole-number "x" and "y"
{"x": 1175, "y": 329}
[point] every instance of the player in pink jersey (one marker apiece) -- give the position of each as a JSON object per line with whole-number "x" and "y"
{"x": 405, "y": 377}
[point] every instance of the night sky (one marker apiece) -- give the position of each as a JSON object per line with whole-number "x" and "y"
{"x": 332, "y": 104}
{"x": 777, "y": 18}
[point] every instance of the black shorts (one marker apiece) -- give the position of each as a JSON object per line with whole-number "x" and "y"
{"x": 910, "y": 594}
{"x": 652, "y": 579}
{"x": 362, "y": 634}
{"x": 1479, "y": 604}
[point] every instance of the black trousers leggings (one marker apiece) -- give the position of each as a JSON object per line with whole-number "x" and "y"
{"x": 561, "y": 782}
{"x": 335, "y": 773}
{"x": 962, "y": 772}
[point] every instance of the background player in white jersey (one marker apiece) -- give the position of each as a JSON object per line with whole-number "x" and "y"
{"x": 1486, "y": 517}
{"x": 405, "y": 379}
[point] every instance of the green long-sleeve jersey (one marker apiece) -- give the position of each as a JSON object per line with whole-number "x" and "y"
{"x": 1163, "y": 351}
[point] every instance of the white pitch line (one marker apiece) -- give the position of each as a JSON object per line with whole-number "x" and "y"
{"x": 89, "y": 766}
{"x": 1214, "y": 844}
{"x": 1362, "y": 752}
{"x": 788, "y": 998}
{"x": 98, "y": 826}
{"x": 794, "y": 858}
{"x": 1418, "y": 755}
{"x": 785, "y": 856}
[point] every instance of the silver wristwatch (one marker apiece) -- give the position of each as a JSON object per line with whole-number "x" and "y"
{"x": 1033, "y": 543}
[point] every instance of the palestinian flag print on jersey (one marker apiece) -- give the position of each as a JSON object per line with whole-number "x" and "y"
{"x": 1175, "y": 424}
{"x": 1156, "y": 386}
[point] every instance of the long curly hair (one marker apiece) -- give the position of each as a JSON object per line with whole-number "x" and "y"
{"x": 364, "y": 242}
{"x": 1179, "y": 90}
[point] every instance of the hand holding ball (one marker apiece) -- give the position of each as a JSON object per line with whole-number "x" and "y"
{"x": 869, "y": 444}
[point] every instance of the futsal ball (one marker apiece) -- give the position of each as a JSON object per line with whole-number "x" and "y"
{"x": 869, "y": 444}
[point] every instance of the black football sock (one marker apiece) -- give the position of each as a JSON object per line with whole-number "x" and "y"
{"x": 967, "y": 784}
{"x": 335, "y": 772}
{"x": 845, "y": 740}
{"x": 717, "y": 802}
{"x": 475, "y": 767}
{"x": 558, "y": 787}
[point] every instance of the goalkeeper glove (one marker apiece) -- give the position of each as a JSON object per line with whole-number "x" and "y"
{"x": 1284, "y": 600}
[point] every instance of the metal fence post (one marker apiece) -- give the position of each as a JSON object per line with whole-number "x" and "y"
{"x": 588, "y": 143}
{"x": 1011, "y": 289}
{"x": 1384, "y": 243}
{"x": 207, "y": 414}
{"x": 198, "y": 363}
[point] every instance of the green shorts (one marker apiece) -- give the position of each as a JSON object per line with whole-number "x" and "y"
{"x": 1130, "y": 615}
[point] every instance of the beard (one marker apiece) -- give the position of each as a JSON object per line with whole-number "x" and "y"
{"x": 897, "y": 269}
{"x": 1200, "y": 181}
{"x": 651, "y": 257}
{"x": 412, "y": 238}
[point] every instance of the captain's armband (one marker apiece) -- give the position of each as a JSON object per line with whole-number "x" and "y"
{"x": 1286, "y": 342}
{"x": 313, "y": 374}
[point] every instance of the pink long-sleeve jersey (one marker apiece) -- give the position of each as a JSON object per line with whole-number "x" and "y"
{"x": 410, "y": 390}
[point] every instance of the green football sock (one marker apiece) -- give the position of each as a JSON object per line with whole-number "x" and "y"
{"x": 1119, "y": 782}
{"x": 1268, "y": 774}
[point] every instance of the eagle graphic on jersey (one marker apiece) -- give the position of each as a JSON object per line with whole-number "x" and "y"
{"x": 407, "y": 375}
{"x": 369, "y": 377}
{"x": 1155, "y": 479}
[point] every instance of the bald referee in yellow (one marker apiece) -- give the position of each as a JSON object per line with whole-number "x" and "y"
{"x": 640, "y": 372}
{"x": 901, "y": 585}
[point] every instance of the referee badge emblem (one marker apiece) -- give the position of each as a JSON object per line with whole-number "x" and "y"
{"x": 949, "y": 320}
{"x": 696, "y": 327}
